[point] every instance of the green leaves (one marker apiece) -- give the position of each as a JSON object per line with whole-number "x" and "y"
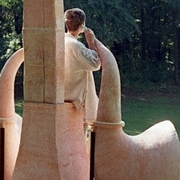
{"x": 144, "y": 35}
{"x": 7, "y": 3}
{"x": 110, "y": 20}
{"x": 11, "y": 27}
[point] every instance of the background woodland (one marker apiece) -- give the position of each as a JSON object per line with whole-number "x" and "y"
{"x": 144, "y": 36}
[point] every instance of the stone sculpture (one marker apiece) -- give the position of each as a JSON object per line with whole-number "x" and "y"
{"x": 9, "y": 120}
{"x": 154, "y": 154}
{"x": 52, "y": 142}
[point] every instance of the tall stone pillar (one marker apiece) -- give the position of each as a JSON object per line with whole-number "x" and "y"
{"x": 52, "y": 143}
{"x": 43, "y": 35}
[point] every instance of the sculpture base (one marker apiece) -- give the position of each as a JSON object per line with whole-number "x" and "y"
{"x": 52, "y": 143}
{"x": 10, "y": 138}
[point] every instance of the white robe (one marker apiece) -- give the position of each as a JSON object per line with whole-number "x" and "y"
{"x": 79, "y": 81}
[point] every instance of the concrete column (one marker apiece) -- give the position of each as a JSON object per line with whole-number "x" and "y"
{"x": 52, "y": 143}
{"x": 43, "y": 35}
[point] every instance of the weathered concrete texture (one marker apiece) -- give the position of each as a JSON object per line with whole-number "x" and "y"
{"x": 9, "y": 120}
{"x": 52, "y": 144}
{"x": 7, "y": 78}
{"x": 12, "y": 132}
{"x": 44, "y": 51}
{"x": 154, "y": 154}
{"x": 72, "y": 153}
{"x": 44, "y": 73}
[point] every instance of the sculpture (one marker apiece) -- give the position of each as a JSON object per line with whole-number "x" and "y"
{"x": 9, "y": 120}
{"x": 49, "y": 147}
{"x": 154, "y": 154}
{"x": 52, "y": 141}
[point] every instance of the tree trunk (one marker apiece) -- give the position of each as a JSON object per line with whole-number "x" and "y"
{"x": 176, "y": 54}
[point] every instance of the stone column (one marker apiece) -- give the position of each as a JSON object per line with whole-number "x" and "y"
{"x": 44, "y": 51}
{"x": 52, "y": 144}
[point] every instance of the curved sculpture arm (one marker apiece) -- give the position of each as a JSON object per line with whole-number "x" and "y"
{"x": 109, "y": 109}
{"x": 7, "y": 78}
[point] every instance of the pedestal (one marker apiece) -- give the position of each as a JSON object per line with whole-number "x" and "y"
{"x": 52, "y": 143}
{"x": 10, "y": 138}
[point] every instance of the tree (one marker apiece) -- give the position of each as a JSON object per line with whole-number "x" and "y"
{"x": 175, "y": 10}
{"x": 11, "y": 25}
{"x": 143, "y": 35}
{"x": 110, "y": 20}
{"x": 153, "y": 51}
{"x": 10, "y": 35}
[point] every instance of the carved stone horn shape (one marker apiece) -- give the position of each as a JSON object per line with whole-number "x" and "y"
{"x": 153, "y": 154}
{"x": 110, "y": 95}
{"x": 9, "y": 120}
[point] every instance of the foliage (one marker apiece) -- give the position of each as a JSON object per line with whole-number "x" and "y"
{"x": 110, "y": 20}
{"x": 11, "y": 26}
{"x": 144, "y": 35}
{"x": 141, "y": 34}
{"x": 149, "y": 56}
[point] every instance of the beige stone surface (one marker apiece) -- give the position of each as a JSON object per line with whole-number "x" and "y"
{"x": 7, "y": 78}
{"x": 52, "y": 143}
{"x": 43, "y": 34}
{"x": 54, "y": 66}
{"x": 12, "y": 127}
{"x": 37, "y": 8}
{"x": 37, "y": 157}
{"x": 47, "y": 14}
{"x": 9, "y": 120}
{"x": 154, "y": 154}
{"x": 109, "y": 108}
{"x": 73, "y": 158}
{"x": 45, "y": 62}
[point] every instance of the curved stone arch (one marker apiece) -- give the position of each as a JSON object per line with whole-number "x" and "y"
{"x": 9, "y": 120}
{"x": 7, "y": 79}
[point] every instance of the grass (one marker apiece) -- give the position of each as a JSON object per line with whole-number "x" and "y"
{"x": 141, "y": 113}
{"x": 141, "y": 110}
{"x": 144, "y": 107}
{"x": 19, "y": 106}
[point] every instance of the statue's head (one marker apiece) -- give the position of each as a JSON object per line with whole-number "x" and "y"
{"x": 74, "y": 18}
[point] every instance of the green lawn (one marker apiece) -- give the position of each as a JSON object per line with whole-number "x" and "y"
{"x": 140, "y": 113}
{"x": 19, "y": 106}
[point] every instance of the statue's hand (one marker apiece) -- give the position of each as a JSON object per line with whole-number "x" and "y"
{"x": 90, "y": 38}
{"x": 89, "y": 34}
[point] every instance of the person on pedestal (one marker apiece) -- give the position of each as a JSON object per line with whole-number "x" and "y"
{"x": 80, "y": 61}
